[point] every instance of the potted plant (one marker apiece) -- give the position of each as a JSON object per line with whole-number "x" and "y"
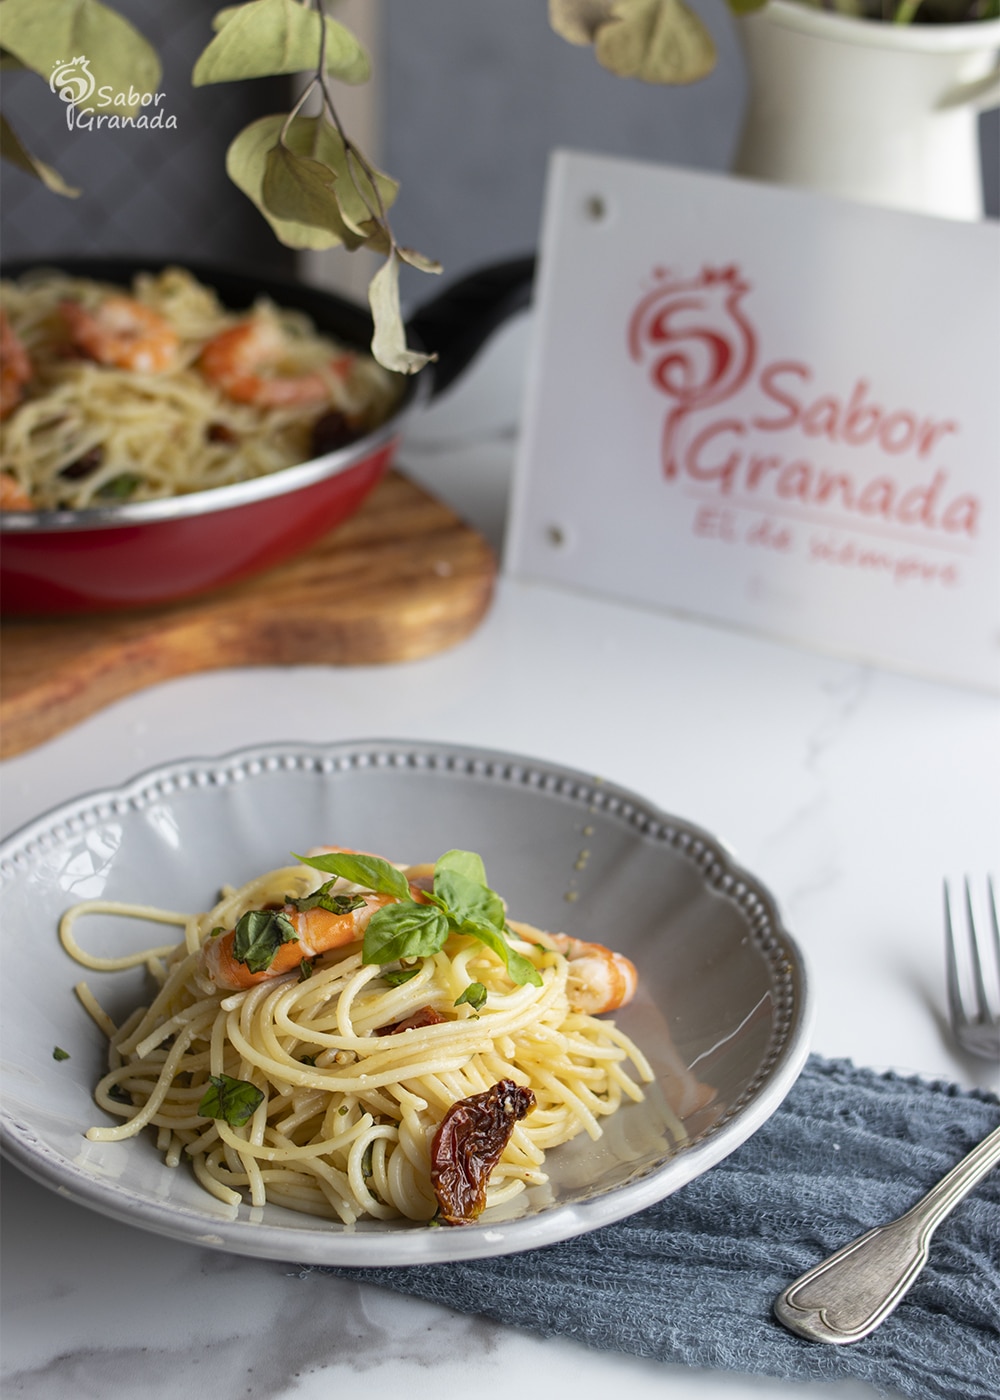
{"x": 872, "y": 99}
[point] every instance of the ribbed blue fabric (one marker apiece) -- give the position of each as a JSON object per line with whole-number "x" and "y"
{"x": 693, "y": 1278}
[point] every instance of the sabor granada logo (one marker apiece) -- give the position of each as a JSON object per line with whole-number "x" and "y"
{"x": 785, "y": 445}
{"x": 93, "y": 108}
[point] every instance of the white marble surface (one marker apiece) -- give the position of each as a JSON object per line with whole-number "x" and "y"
{"x": 850, "y": 791}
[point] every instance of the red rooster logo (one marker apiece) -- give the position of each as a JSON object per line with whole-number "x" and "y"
{"x": 699, "y": 345}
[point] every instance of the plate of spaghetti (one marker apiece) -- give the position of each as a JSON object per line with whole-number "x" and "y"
{"x": 230, "y": 1029}
{"x": 166, "y": 430}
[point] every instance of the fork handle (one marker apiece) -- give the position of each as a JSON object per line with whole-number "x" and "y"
{"x": 852, "y": 1292}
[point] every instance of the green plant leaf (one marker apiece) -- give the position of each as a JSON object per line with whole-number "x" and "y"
{"x": 407, "y": 930}
{"x": 266, "y": 38}
{"x": 232, "y": 1100}
{"x": 389, "y": 341}
{"x": 466, "y": 863}
{"x": 467, "y": 900}
{"x": 259, "y": 935}
{"x": 13, "y": 149}
{"x": 85, "y": 44}
{"x": 520, "y": 968}
{"x": 657, "y": 41}
{"x": 370, "y": 872}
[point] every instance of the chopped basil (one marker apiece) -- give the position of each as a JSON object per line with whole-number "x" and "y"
{"x": 59, "y": 1054}
{"x": 474, "y": 994}
{"x": 305, "y": 969}
{"x": 233, "y": 1100}
{"x": 399, "y": 976}
{"x": 119, "y": 1094}
{"x": 333, "y": 903}
{"x": 120, "y": 487}
{"x": 259, "y": 935}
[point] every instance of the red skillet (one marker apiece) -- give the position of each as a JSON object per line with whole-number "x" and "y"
{"x": 127, "y": 556}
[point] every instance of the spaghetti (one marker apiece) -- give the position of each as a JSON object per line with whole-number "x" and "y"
{"x": 110, "y": 397}
{"x": 329, "y": 1087}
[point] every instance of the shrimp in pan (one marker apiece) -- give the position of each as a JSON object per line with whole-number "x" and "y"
{"x": 13, "y": 495}
{"x": 15, "y": 367}
{"x": 122, "y": 332}
{"x": 235, "y": 361}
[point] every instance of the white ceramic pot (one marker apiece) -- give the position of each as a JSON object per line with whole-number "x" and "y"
{"x": 878, "y": 112}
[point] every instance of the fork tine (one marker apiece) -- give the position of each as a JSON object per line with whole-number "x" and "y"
{"x": 955, "y": 1006}
{"x": 978, "y": 960}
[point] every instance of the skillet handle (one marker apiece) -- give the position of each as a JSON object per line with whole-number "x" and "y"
{"x": 457, "y": 323}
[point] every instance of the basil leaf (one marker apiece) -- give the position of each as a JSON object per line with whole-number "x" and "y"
{"x": 474, "y": 994}
{"x": 305, "y": 969}
{"x": 407, "y": 930}
{"x": 259, "y": 935}
{"x": 397, "y": 978}
{"x": 58, "y": 1053}
{"x": 233, "y": 1100}
{"x": 370, "y": 872}
{"x": 466, "y": 863}
{"x": 467, "y": 901}
{"x": 333, "y": 903}
{"x": 518, "y": 966}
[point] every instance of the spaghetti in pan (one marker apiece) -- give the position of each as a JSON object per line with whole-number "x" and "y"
{"x": 351, "y": 1038}
{"x": 113, "y": 395}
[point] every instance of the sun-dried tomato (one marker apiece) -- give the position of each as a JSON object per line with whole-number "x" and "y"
{"x": 423, "y": 1016}
{"x": 468, "y": 1145}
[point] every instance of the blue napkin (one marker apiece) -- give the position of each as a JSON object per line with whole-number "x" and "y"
{"x": 693, "y": 1278}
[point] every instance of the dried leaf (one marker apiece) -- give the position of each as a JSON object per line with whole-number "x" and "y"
{"x": 418, "y": 260}
{"x": 298, "y": 188}
{"x": 265, "y": 38}
{"x": 79, "y": 46}
{"x": 657, "y": 41}
{"x": 350, "y": 223}
{"x": 389, "y": 341}
{"x": 14, "y": 150}
{"x": 579, "y": 20}
{"x": 246, "y": 164}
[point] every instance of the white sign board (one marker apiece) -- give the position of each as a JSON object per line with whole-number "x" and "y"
{"x": 767, "y": 407}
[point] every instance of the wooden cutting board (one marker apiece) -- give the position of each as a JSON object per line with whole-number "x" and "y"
{"x": 402, "y": 578}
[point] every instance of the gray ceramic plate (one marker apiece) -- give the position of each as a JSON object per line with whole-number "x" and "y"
{"x": 721, "y": 1012}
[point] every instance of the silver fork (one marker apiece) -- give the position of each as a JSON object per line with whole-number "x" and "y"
{"x": 851, "y": 1293}
{"x": 978, "y": 1031}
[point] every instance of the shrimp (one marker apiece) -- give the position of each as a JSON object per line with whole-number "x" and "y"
{"x": 13, "y": 495}
{"x": 15, "y": 372}
{"x": 232, "y": 361}
{"x": 599, "y": 978}
{"x": 122, "y": 332}
{"x": 316, "y": 931}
